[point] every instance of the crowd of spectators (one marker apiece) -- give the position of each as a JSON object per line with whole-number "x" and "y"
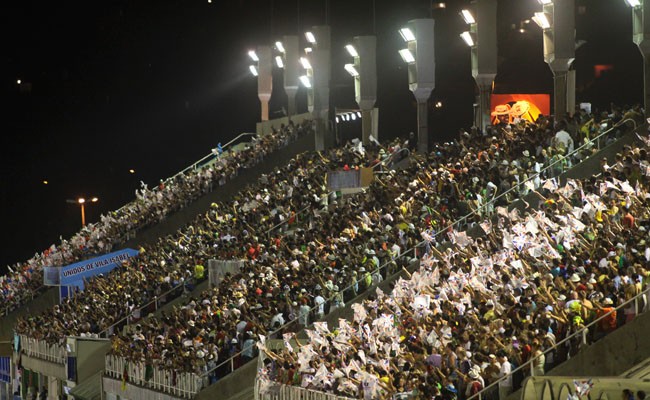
{"x": 471, "y": 314}
{"x": 149, "y": 207}
{"x": 330, "y": 254}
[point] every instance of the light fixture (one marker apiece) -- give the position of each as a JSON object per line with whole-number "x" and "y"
{"x": 253, "y": 70}
{"x": 407, "y": 34}
{"x": 132, "y": 171}
{"x": 468, "y": 17}
{"x": 359, "y": 114}
{"x": 545, "y": 2}
{"x": 353, "y": 116}
{"x": 633, "y": 3}
{"x": 305, "y": 81}
{"x": 310, "y": 37}
{"x": 440, "y": 5}
{"x": 308, "y": 50}
{"x": 467, "y": 37}
{"x": 407, "y": 56}
{"x": 19, "y": 81}
{"x": 522, "y": 30}
{"x": 279, "y": 62}
{"x": 305, "y": 63}
{"x": 81, "y": 200}
{"x": 337, "y": 119}
{"x": 351, "y": 70}
{"x": 347, "y": 117}
{"x": 253, "y": 55}
{"x": 279, "y": 46}
{"x": 438, "y": 104}
{"x": 94, "y": 199}
{"x": 45, "y": 182}
{"x": 541, "y": 19}
{"x": 351, "y": 50}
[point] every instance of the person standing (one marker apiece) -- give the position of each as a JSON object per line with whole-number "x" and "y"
{"x": 505, "y": 384}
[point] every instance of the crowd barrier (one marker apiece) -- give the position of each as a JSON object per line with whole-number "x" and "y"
{"x": 267, "y": 390}
{"x": 41, "y": 349}
{"x": 182, "y": 384}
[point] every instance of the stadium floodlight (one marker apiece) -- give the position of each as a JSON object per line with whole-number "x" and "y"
{"x": 304, "y": 79}
{"x": 351, "y": 70}
{"x": 542, "y": 20}
{"x": 310, "y": 37}
{"x": 407, "y": 34}
{"x": 337, "y": 119}
{"x": 544, "y": 2}
{"x": 305, "y": 63}
{"x": 407, "y": 56}
{"x": 308, "y": 50}
{"x": 633, "y": 3}
{"x": 351, "y": 50}
{"x": 359, "y": 114}
{"x": 353, "y": 116}
{"x": 467, "y": 37}
{"x": 279, "y": 62}
{"x": 253, "y": 70}
{"x": 347, "y": 117}
{"x": 468, "y": 17}
{"x": 253, "y": 55}
{"x": 279, "y": 46}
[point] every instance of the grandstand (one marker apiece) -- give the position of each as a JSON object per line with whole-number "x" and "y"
{"x": 503, "y": 265}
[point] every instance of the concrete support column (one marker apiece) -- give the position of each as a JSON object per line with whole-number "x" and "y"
{"x": 366, "y": 125}
{"x": 53, "y": 388}
{"x": 646, "y": 82}
{"x": 291, "y": 96}
{"x": 484, "y": 83}
{"x": 264, "y": 100}
{"x": 423, "y": 126}
{"x": 560, "y": 92}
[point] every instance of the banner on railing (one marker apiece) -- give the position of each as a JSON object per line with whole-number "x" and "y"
{"x": 337, "y": 180}
{"x": 217, "y": 269}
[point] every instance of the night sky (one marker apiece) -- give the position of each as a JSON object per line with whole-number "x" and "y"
{"x": 154, "y": 85}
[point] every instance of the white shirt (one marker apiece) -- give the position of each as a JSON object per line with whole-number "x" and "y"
{"x": 320, "y": 302}
{"x": 506, "y": 368}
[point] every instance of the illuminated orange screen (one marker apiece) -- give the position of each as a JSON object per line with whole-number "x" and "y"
{"x": 507, "y": 107}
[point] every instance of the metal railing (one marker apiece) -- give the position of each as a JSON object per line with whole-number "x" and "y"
{"x": 43, "y": 350}
{"x": 268, "y": 390}
{"x": 582, "y": 333}
{"x": 231, "y": 361}
{"x": 183, "y": 384}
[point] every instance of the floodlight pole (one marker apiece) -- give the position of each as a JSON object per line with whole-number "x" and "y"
{"x": 422, "y": 75}
{"x": 484, "y": 57}
{"x": 559, "y": 53}
{"x": 640, "y": 36}
{"x": 265, "y": 78}
{"x": 365, "y": 84}
{"x": 320, "y": 60}
{"x": 291, "y": 71}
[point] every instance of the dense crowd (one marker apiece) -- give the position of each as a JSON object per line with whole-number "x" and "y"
{"x": 150, "y": 207}
{"x": 329, "y": 254}
{"x": 469, "y": 315}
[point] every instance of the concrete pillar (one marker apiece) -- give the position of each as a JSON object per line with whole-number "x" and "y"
{"x": 291, "y": 96}
{"x": 571, "y": 92}
{"x": 560, "y": 92}
{"x": 484, "y": 83}
{"x": 53, "y": 388}
{"x": 264, "y": 79}
{"x": 423, "y": 126}
{"x": 366, "y": 125}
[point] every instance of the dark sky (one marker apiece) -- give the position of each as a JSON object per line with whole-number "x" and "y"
{"x": 153, "y": 85}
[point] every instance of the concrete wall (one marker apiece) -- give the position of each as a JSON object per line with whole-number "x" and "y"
{"x": 237, "y": 384}
{"x": 132, "y": 392}
{"x": 90, "y": 357}
{"x": 41, "y": 303}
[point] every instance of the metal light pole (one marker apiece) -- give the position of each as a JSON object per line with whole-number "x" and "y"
{"x": 482, "y": 39}
{"x": 364, "y": 72}
{"x": 640, "y": 36}
{"x": 263, "y": 71}
{"x": 289, "y": 49}
{"x": 557, "y": 21}
{"x": 420, "y": 57}
{"x": 318, "y": 74}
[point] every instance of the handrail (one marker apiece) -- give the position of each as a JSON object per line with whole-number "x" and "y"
{"x": 582, "y": 332}
{"x": 412, "y": 249}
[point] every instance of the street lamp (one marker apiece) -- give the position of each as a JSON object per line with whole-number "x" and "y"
{"x": 364, "y": 73}
{"x": 640, "y": 33}
{"x": 420, "y": 59}
{"x": 557, "y": 21}
{"x": 482, "y": 40}
{"x": 262, "y": 70}
{"x": 82, "y": 203}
